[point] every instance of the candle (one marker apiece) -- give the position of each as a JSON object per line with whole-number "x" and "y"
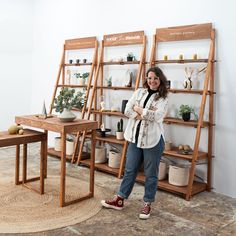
{"x": 165, "y": 57}
{"x": 181, "y": 57}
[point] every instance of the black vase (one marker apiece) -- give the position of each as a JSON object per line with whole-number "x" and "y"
{"x": 123, "y": 105}
{"x": 186, "y": 116}
{"x": 129, "y": 58}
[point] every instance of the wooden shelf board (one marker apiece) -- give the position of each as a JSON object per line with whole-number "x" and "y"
{"x": 164, "y": 184}
{"x": 108, "y": 139}
{"x": 181, "y": 61}
{"x": 57, "y": 154}
{"x": 190, "y": 91}
{"x": 101, "y": 167}
{"x": 72, "y": 86}
{"x": 193, "y": 123}
{"x": 174, "y": 153}
{"x": 109, "y": 113}
{"x": 119, "y": 62}
{"x": 79, "y": 64}
{"x": 116, "y": 87}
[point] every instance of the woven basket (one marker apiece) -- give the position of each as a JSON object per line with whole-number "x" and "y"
{"x": 178, "y": 175}
{"x": 114, "y": 159}
{"x": 100, "y": 154}
{"x": 162, "y": 170}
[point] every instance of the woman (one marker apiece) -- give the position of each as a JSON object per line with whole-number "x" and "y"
{"x": 145, "y": 110}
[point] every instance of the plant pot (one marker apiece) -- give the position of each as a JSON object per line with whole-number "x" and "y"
{"x": 81, "y": 81}
{"x": 186, "y": 116}
{"x": 67, "y": 116}
{"x": 100, "y": 154}
{"x": 114, "y": 159}
{"x": 120, "y": 135}
{"x": 168, "y": 146}
{"x": 178, "y": 175}
{"x": 57, "y": 144}
{"x": 69, "y": 147}
{"x": 130, "y": 58}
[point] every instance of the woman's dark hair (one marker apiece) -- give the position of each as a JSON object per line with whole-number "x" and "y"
{"x": 163, "y": 81}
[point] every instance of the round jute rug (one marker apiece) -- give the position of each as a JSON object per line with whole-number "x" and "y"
{"x": 23, "y": 210}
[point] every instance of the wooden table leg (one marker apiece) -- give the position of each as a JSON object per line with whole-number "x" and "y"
{"x": 46, "y": 155}
{"x": 42, "y": 165}
{"x": 17, "y": 165}
{"x": 92, "y": 162}
{"x": 24, "y": 170}
{"x": 63, "y": 169}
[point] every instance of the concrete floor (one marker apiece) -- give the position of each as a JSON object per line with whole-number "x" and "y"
{"x": 206, "y": 213}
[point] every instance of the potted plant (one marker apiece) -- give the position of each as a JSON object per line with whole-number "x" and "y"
{"x": 85, "y": 76}
{"x": 66, "y": 100}
{"x": 130, "y": 56}
{"x": 120, "y": 131}
{"x": 109, "y": 81}
{"x": 185, "y": 111}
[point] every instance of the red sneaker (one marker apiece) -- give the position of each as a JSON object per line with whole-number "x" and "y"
{"x": 145, "y": 211}
{"x": 116, "y": 203}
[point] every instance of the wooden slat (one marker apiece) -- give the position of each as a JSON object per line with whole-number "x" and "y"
{"x": 193, "y": 123}
{"x": 80, "y": 43}
{"x": 128, "y": 38}
{"x": 109, "y": 113}
{"x": 178, "y": 61}
{"x": 108, "y": 139}
{"x": 120, "y": 63}
{"x": 190, "y": 91}
{"x": 187, "y": 32}
{"x": 115, "y": 87}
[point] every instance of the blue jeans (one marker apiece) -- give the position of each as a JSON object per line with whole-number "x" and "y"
{"x": 151, "y": 159}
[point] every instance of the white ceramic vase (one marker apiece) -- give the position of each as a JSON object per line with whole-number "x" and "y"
{"x": 66, "y": 116}
{"x": 69, "y": 147}
{"x": 120, "y": 135}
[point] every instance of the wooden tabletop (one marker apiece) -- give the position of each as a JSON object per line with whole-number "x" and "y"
{"x": 55, "y": 125}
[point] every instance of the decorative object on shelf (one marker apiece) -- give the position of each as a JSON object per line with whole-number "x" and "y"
{"x": 168, "y": 83}
{"x": 130, "y": 56}
{"x": 77, "y": 61}
{"x": 185, "y": 149}
{"x": 120, "y": 59}
{"x": 44, "y": 111}
{"x": 120, "y": 130}
{"x": 168, "y": 145}
{"x": 128, "y": 78}
{"x": 198, "y": 72}
{"x": 123, "y": 105}
{"x": 114, "y": 159}
{"x": 181, "y": 57}
{"x": 178, "y": 176}
{"x": 165, "y": 57}
{"x": 162, "y": 170}
{"x": 103, "y": 132}
{"x": 15, "y": 129}
{"x": 109, "y": 81}
{"x": 84, "y": 60}
{"x": 57, "y": 144}
{"x": 188, "y": 84}
{"x": 69, "y": 146}
{"x": 100, "y": 154}
{"x": 65, "y": 101}
{"x": 194, "y": 56}
{"x": 185, "y": 112}
{"x": 102, "y": 103}
{"x": 70, "y": 61}
{"x": 68, "y": 76}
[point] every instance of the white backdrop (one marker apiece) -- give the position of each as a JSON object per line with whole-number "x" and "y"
{"x": 37, "y": 29}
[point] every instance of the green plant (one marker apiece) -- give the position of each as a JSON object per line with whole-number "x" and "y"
{"x": 109, "y": 81}
{"x": 130, "y": 54}
{"x": 187, "y": 109}
{"x": 68, "y": 99}
{"x": 83, "y": 75}
{"x": 120, "y": 126}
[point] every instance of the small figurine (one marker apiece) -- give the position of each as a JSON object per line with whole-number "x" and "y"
{"x": 102, "y": 127}
{"x": 188, "y": 84}
{"x": 102, "y": 106}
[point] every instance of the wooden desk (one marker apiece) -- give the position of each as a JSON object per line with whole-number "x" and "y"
{"x": 55, "y": 125}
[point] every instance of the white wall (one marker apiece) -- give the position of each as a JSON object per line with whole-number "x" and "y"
{"x": 16, "y": 42}
{"x": 57, "y": 20}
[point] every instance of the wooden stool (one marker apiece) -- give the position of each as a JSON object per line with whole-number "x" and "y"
{"x": 29, "y": 136}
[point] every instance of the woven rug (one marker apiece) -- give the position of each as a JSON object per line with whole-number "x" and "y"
{"x": 23, "y": 210}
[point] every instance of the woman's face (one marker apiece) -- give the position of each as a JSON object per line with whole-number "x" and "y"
{"x": 153, "y": 81}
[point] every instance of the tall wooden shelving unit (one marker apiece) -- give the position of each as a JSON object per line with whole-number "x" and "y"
{"x": 114, "y": 40}
{"x": 182, "y": 33}
{"x": 89, "y": 43}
